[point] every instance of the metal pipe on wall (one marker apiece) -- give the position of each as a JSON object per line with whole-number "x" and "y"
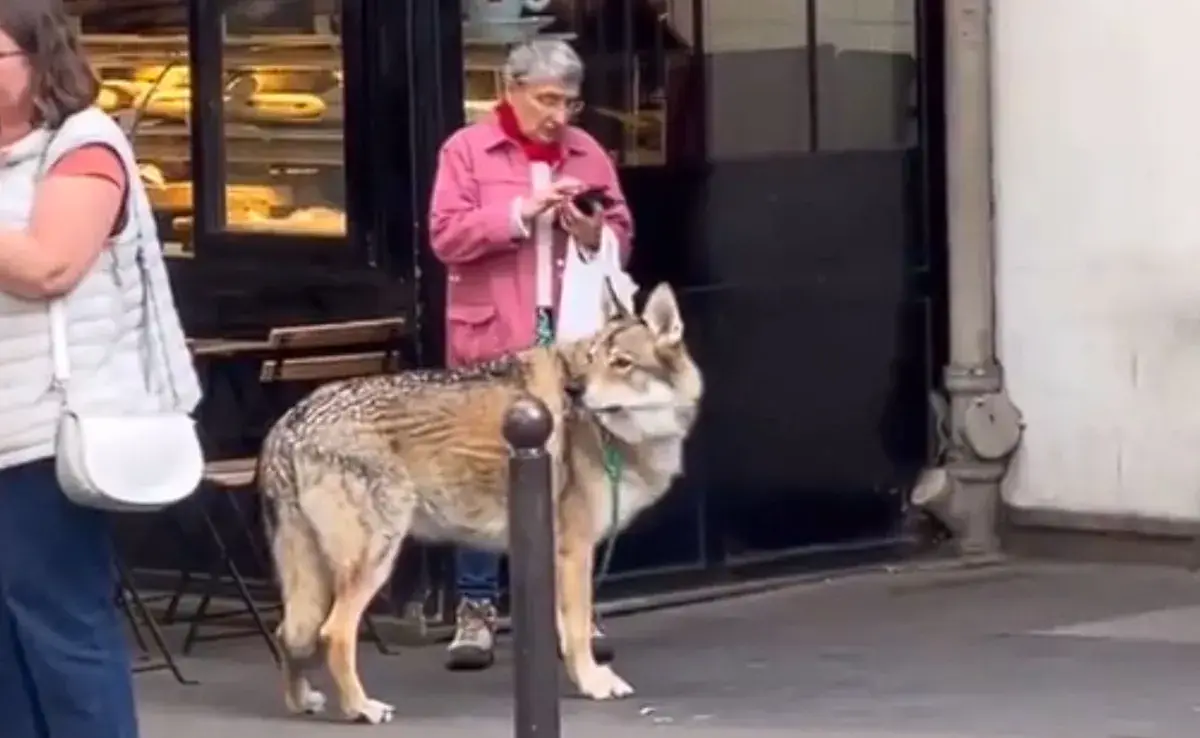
{"x": 983, "y": 427}
{"x": 969, "y": 182}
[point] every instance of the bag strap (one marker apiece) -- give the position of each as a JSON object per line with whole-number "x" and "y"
{"x": 59, "y": 343}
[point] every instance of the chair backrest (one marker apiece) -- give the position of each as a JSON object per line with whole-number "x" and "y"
{"x": 316, "y": 353}
{"x": 337, "y": 335}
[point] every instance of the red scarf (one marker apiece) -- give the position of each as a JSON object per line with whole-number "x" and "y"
{"x": 550, "y": 153}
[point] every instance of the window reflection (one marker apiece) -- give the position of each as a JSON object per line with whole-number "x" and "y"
{"x": 794, "y": 76}
{"x": 867, "y": 86}
{"x": 640, "y": 77}
{"x": 760, "y": 70}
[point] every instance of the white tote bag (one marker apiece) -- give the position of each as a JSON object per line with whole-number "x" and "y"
{"x": 125, "y": 462}
{"x": 580, "y": 305}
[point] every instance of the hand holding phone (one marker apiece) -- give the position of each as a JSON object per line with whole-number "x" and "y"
{"x": 592, "y": 200}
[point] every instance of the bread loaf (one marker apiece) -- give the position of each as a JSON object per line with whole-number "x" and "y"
{"x": 174, "y": 103}
{"x": 284, "y": 106}
{"x": 238, "y": 198}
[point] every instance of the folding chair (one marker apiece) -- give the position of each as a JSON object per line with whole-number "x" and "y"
{"x": 298, "y": 355}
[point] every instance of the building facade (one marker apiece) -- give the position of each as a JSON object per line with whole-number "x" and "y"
{"x": 1097, "y": 233}
{"x": 781, "y": 157}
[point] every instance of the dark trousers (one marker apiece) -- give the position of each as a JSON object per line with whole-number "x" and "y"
{"x": 477, "y": 574}
{"x": 64, "y": 661}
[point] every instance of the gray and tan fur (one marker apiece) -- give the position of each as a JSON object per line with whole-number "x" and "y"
{"x": 357, "y": 467}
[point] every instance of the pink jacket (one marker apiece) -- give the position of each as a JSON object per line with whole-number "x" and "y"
{"x": 491, "y": 267}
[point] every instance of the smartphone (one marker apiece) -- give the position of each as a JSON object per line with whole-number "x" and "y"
{"x": 592, "y": 199}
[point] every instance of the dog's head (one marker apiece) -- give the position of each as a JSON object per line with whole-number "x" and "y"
{"x": 635, "y": 376}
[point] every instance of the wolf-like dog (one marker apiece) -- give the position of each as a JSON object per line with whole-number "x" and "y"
{"x": 360, "y": 465}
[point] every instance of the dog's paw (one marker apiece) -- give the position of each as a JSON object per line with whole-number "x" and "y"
{"x": 602, "y": 683}
{"x": 310, "y": 702}
{"x": 373, "y": 712}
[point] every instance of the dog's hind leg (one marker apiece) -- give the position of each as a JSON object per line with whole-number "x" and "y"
{"x": 356, "y": 586}
{"x": 307, "y": 592}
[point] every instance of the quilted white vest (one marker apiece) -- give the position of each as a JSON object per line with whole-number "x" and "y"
{"x": 120, "y": 361}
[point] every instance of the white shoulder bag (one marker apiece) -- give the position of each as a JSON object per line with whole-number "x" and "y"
{"x": 133, "y": 462}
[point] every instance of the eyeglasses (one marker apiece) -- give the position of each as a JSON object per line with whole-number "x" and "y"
{"x": 552, "y": 101}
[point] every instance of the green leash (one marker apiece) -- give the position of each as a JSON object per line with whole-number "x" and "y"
{"x": 613, "y": 462}
{"x": 613, "y": 465}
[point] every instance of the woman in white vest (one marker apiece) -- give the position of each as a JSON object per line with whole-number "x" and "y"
{"x": 74, "y": 223}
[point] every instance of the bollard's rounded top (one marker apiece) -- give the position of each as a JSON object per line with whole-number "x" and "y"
{"x": 527, "y": 424}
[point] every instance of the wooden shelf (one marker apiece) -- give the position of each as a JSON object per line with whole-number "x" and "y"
{"x": 311, "y": 50}
{"x": 246, "y": 144}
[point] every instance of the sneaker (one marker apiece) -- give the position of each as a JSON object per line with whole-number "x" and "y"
{"x": 473, "y": 647}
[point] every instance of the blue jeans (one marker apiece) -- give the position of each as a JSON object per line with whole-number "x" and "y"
{"x": 64, "y": 661}
{"x": 477, "y": 574}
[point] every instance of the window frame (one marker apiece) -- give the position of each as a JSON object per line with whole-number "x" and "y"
{"x": 212, "y": 241}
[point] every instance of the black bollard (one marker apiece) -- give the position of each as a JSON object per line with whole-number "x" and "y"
{"x": 527, "y": 426}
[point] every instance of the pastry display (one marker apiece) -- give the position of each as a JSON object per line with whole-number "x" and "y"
{"x": 281, "y": 136}
{"x": 314, "y": 221}
{"x": 177, "y": 196}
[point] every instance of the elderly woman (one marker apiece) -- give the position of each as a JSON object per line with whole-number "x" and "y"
{"x": 500, "y": 219}
{"x": 74, "y": 223}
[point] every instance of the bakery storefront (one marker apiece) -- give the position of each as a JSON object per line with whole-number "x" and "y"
{"x": 778, "y": 156}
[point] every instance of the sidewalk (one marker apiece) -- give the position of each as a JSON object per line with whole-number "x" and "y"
{"x": 1019, "y": 651}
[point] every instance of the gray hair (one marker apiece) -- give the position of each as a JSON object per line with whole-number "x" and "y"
{"x": 550, "y": 60}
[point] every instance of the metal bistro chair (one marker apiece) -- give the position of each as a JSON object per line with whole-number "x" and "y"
{"x": 296, "y": 356}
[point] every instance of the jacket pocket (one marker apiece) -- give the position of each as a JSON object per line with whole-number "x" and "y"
{"x": 475, "y": 334}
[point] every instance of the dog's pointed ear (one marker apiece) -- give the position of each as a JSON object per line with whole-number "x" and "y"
{"x": 661, "y": 314}
{"x": 611, "y": 305}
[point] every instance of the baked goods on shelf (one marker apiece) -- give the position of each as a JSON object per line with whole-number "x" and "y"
{"x": 281, "y": 135}
{"x": 177, "y": 196}
{"x": 173, "y": 103}
{"x": 314, "y": 221}
{"x": 282, "y": 107}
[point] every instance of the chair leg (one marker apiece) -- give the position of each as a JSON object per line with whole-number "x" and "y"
{"x": 201, "y": 612}
{"x": 376, "y": 637}
{"x": 131, "y": 597}
{"x": 171, "y": 614}
{"x": 123, "y": 603}
{"x": 247, "y": 528}
{"x": 240, "y": 583}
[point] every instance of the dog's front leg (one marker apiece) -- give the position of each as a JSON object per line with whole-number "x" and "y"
{"x": 574, "y": 595}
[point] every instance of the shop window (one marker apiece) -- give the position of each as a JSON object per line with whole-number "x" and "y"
{"x": 641, "y": 71}
{"x": 140, "y": 56}
{"x": 284, "y": 159}
{"x": 867, "y": 74}
{"x": 796, "y": 76}
{"x": 282, "y": 121}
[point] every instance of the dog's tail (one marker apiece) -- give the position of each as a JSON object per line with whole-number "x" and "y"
{"x": 305, "y": 580}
